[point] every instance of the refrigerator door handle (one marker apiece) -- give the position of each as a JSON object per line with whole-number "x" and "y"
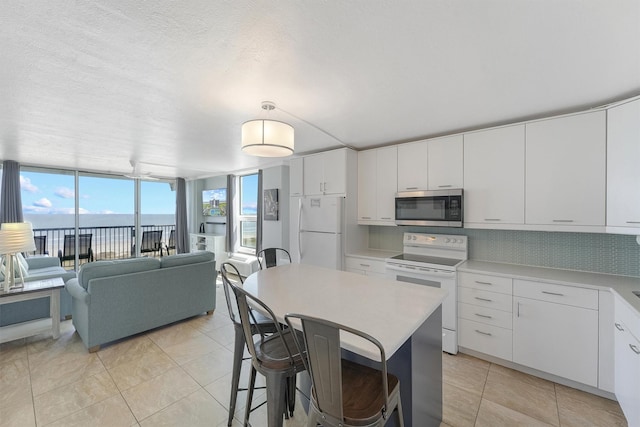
{"x": 299, "y": 229}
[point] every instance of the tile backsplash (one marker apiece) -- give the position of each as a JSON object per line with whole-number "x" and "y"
{"x": 602, "y": 253}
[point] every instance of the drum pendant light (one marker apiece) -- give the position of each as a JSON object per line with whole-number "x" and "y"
{"x": 267, "y": 138}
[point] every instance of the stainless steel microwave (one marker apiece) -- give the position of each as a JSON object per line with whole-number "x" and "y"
{"x": 437, "y": 208}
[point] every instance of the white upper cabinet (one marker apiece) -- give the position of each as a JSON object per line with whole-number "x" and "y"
{"x": 296, "y": 176}
{"x": 444, "y": 160}
{"x": 565, "y": 172}
{"x": 377, "y": 181}
{"x": 367, "y": 164}
{"x": 412, "y": 166}
{"x": 494, "y": 178}
{"x": 325, "y": 173}
{"x": 623, "y": 171}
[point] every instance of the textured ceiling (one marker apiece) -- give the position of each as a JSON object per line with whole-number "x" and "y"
{"x": 92, "y": 85}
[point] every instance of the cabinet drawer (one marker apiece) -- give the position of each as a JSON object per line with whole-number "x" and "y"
{"x": 488, "y": 316}
{"x": 485, "y": 299}
{"x": 365, "y": 264}
{"x": 484, "y": 282}
{"x": 485, "y": 338}
{"x": 568, "y": 295}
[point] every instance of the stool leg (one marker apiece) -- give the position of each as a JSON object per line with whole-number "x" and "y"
{"x": 238, "y": 350}
{"x": 252, "y": 383}
{"x": 291, "y": 388}
{"x": 276, "y": 386}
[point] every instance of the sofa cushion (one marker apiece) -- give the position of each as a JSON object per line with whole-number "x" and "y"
{"x": 97, "y": 269}
{"x": 185, "y": 259}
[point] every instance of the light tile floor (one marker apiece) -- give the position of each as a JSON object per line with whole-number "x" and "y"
{"x": 180, "y": 376}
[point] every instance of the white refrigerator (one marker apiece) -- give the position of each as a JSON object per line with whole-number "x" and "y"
{"x": 317, "y": 230}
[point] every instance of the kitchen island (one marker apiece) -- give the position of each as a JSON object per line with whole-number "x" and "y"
{"x": 404, "y": 317}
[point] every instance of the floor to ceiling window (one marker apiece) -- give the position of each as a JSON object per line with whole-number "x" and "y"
{"x": 107, "y": 216}
{"x": 48, "y": 202}
{"x": 157, "y": 217}
{"x": 106, "y": 220}
{"x": 248, "y": 211}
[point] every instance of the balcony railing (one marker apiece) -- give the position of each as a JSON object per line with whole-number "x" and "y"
{"x": 107, "y": 243}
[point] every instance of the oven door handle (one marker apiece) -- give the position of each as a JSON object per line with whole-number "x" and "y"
{"x": 421, "y": 270}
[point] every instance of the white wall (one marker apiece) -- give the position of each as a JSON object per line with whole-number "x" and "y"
{"x": 276, "y": 233}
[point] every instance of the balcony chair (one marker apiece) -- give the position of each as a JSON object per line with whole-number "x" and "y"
{"x": 41, "y": 245}
{"x": 262, "y": 324}
{"x": 172, "y": 241}
{"x": 151, "y": 243}
{"x": 69, "y": 245}
{"x": 344, "y": 393}
{"x": 271, "y": 257}
{"x": 274, "y": 356}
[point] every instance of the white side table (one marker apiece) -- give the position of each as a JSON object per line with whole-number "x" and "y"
{"x": 34, "y": 290}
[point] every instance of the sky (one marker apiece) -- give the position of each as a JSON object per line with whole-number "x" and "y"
{"x": 53, "y": 193}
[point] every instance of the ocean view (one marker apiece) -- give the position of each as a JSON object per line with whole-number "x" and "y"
{"x": 111, "y": 233}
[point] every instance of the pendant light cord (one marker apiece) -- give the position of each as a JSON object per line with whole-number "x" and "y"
{"x": 317, "y": 128}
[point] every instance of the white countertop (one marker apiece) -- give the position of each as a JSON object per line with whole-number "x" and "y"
{"x": 388, "y": 310}
{"x": 621, "y": 285}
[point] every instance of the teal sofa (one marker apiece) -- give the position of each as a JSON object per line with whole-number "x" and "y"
{"x": 40, "y": 267}
{"x": 116, "y": 299}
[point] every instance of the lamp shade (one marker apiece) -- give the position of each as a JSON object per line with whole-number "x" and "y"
{"x": 267, "y": 138}
{"x": 16, "y": 237}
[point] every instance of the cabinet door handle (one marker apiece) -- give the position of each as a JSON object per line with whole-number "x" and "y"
{"x": 483, "y": 333}
{"x": 518, "y": 309}
{"x": 325, "y": 186}
{"x": 320, "y": 186}
{"x": 633, "y": 222}
{"x": 365, "y": 217}
{"x": 634, "y": 348}
{"x": 492, "y": 219}
{"x": 562, "y": 220}
{"x": 619, "y": 327}
{"x": 484, "y": 315}
{"x": 385, "y": 217}
{"x": 553, "y": 293}
{"x": 484, "y": 299}
{"x": 445, "y": 186}
{"x": 484, "y": 283}
{"x": 365, "y": 265}
{"x": 410, "y": 188}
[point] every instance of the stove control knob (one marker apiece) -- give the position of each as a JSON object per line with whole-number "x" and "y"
{"x": 447, "y": 240}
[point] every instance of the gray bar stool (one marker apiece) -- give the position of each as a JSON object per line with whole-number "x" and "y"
{"x": 274, "y": 356}
{"x": 260, "y": 324}
{"x": 344, "y": 393}
{"x": 272, "y": 257}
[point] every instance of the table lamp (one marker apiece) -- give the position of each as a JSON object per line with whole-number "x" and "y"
{"x": 14, "y": 237}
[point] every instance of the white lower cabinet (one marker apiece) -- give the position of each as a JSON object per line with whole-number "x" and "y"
{"x": 627, "y": 362}
{"x": 557, "y": 338}
{"x": 365, "y": 266}
{"x": 484, "y": 314}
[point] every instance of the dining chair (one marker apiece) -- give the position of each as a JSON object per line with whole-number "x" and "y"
{"x": 275, "y": 356}
{"x": 344, "y": 393}
{"x": 69, "y": 248}
{"x": 271, "y": 257}
{"x": 259, "y": 324}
